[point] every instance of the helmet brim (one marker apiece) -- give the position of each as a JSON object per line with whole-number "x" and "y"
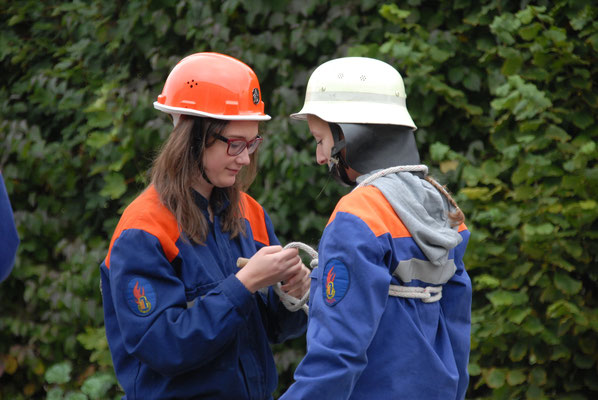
{"x": 196, "y": 113}
{"x": 355, "y": 112}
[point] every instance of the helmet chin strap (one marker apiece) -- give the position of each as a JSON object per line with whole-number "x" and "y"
{"x": 338, "y": 165}
{"x": 203, "y": 174}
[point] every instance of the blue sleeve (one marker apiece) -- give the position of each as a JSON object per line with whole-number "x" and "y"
{"x": 341, "y": 328}
{"x": 171, "y": 338}
{"x": 280, "y": 323}
{"x": 8, "y": 233}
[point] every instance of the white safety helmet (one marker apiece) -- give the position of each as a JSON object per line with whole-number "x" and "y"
{"x": 357, "y": 90}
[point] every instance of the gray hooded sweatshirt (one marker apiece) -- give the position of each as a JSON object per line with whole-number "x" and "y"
{"x": 424, "y": 212}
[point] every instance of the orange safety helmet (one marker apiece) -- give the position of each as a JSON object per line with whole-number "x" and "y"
{"x": 212, "y": 85}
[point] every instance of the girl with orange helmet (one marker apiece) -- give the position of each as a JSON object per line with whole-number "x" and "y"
{"x": 182, "y": 321}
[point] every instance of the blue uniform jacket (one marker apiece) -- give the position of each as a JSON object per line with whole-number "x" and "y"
{"x": 364, "y": 344}
{"x": 179, "y": 323}
{"x": 9, "y": 239}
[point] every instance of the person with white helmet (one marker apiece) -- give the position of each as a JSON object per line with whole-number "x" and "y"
{"x": 182, "y": 321}
{"x": 390, "y": 302}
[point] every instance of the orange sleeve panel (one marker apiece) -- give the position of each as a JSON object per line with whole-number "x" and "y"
{"x": 370, "y": 205}
{"x": 253, "y": 212}
{"x": 148, "y": 214}
{"x": 462, "y": 227}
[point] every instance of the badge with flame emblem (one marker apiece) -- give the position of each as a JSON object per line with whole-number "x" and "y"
{"x": 141, "y": 296}
{"x": 335, "y": 282}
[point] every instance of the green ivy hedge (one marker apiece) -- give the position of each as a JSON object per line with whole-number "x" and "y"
{"x": 502, "y": 93}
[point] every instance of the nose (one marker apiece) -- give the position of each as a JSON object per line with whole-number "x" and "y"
{"x": 243, "y": 157}
{"x": 321, "y": 158}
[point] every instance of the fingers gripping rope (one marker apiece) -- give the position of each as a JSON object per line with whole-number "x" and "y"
{"x": 291, "y": 303}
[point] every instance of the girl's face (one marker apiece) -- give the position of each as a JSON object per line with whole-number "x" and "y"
{"x": 221, "y": 168}
{"x": 323, "y": 135}
{"x": 325, "y": 142}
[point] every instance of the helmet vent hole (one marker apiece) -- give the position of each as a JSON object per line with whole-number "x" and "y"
{"x": 363, "y": 77}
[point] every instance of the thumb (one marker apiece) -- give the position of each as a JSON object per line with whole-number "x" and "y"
{"x": 270, "y": 249}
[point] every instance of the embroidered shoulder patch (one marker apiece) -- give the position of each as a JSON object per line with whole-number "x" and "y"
{"x": 141, "y": 297}
{"x": 335, "y": 282}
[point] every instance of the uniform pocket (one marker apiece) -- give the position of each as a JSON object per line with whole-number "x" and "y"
{"x": 199, "y": 291}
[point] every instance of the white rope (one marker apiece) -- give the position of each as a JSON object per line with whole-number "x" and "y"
{"x": 428, "y": 294}
{"x": 292, "y": 303}
{"x": 393, "y": 170}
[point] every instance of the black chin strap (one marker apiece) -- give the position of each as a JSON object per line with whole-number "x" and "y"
{"x": 203, "y": 174}
{"x": 338, "y": 165}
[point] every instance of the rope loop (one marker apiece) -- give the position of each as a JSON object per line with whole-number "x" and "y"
{"x": 428, "y": 294}
{"x": 292, "y": 303}
{"x": 393, "y": 170}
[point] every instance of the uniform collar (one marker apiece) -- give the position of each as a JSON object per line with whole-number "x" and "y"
{"x": 219, "y": 201}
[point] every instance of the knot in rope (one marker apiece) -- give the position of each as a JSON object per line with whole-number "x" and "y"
{"x": 428, "y": 294}
{"x": 292, "y": 303}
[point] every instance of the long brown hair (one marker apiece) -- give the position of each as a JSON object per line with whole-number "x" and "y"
{"x": 179, "y": 164}
{"x": 457, "y": 217}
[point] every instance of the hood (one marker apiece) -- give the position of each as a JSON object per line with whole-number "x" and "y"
{"x": 424, "y": 212}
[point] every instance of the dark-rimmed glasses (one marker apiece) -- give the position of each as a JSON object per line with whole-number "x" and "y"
{"x": 236, "y": 146}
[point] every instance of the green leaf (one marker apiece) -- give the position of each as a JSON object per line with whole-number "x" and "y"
{"x": 439, "y": 55}
{"x": 474, "y": 369}
{"x": 560, "y": 352}
{"x": 98, "y": 140}
{"x": 530, "y": 32}
{"x": 475, "y": 193}
{"x": 556, "y": 133}
{"x": 438, "y": 151}
{"x": 583, "y": 361}
{"x": 582, "y": 119}
{"x": 59, "y": 373}
{"x": 495, "y": 378}
{"x": 557, "y": 35}
{"x": 472, "y": 82}
{"x": 98, "y": 385}
{"x": 393, "y": 13}
{"x": 516, "y": 377}
{"x": 75, "y": 396}
{"x": 517, "y": 316}
{"x": 518, "y": 351}
{"x": 500, "y": 298}
{"x": 532, "y": 325}
{"x": 538, "y": 376}
{"x": 566, "y": 284}
{"x": 593, "y": 41}
{"x": 485, "y": 281}
{"x": 55, "y": 393}
{"x": 114, "y": 186}
{"x": 512, "y": 65}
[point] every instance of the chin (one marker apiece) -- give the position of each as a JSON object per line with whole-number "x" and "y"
{"x": 227, "y": 182}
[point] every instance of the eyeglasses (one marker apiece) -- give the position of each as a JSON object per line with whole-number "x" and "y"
{"x": 236, "y": 146}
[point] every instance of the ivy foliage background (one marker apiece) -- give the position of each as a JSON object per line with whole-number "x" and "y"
{"x": 503, "y": 95}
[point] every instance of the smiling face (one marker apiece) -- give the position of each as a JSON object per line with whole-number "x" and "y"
{"x": 220, "y": 168}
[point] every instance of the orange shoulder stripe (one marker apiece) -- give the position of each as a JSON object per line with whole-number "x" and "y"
{"x": 254, "y": 213}
{"x": 370, "y": 205}
{"x": 148, "y": 214}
